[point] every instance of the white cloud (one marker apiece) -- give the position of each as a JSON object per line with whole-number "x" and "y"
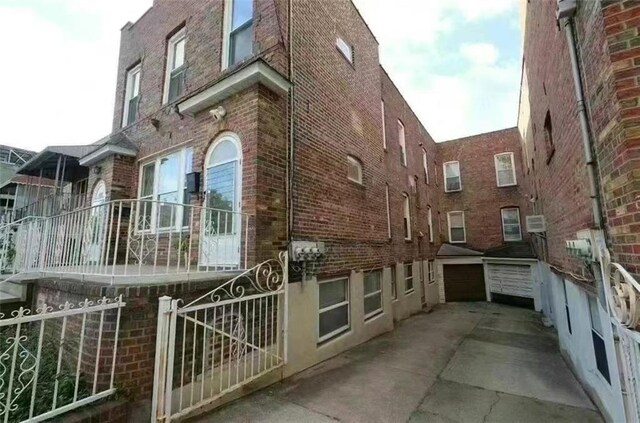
{"x": 480, "y": 53}
{"x": 59, "y": 88}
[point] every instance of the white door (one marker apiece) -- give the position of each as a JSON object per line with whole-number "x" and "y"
{"x": 95, "y": 230}
{"x": 510, "y": 279}
{"x": 221, "y": 223}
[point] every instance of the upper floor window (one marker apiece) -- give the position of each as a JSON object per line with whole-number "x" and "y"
{"x": 406, "y": 211}
{"x": 548, "y": 137}
{"x": 505, "y": 170}
{"x": 511, "y": 224}
{"x": 384, "y": 129}
{"x": 401, "y": 141}
{"x": 452, "y": 181}
{"x": 425, "y": 166}
{"x": 174, "y": 82}
{"x": 131, "y": 96}
{"x": 457, "y": 231}
{"x": 355, "y": 169}
{"x": 386, "y": 192}
{"x": 345, "y": 49}
{"x": 430, "y": 224}
{"x": 239, "y": 30}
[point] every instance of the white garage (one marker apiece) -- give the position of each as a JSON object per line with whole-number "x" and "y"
{"x": 510, "y": 279}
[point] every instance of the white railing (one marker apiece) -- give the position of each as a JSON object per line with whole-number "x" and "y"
{"x": 19, "y": 245}
{"x": 623, "y": 300}
{"x": 54, "y": 361}
{"x": 125, "y": 238}
{"x": 49, "y": 205}
{"x": 221, "y": 341}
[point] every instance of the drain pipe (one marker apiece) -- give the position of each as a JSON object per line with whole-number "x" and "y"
{"x": 584, "y": 124}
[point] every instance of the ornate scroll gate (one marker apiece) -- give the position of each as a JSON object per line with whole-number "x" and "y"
{"x": 221, "y": 341}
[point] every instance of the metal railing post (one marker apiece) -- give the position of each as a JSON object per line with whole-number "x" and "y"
{"x": 160, "y": 367}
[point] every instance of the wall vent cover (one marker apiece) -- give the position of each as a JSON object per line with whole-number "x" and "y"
{"x": 536, "y": 224}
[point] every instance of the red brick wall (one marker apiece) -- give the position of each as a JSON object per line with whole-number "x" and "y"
{"x": 607, "y": 42}
{"x": 481, "y": 199}
{"x": 338, "y": 113}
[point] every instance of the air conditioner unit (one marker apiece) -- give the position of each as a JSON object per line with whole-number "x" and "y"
{"x": 536, "y": 224}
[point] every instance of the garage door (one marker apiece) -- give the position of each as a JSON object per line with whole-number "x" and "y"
{"x": 464, "y": 282}
{"x": 510, "y": 279}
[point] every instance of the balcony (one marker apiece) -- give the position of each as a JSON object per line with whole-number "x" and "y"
{"x": 123, "y": 241}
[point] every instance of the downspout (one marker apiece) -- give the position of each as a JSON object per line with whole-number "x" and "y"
{"x": 584, "y": 124}
{"x": 291, "y": 162}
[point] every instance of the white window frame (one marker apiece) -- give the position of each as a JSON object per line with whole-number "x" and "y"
{"x": 425, "y": 165}
{"x": 386, "y": 192}
{"x": 504, "y": 234}
{"x": 408, "y": 290}
{"x": 346, "y": 302}
{"x": 406, "y": 215}
{"x": 403, "y": 143}
{"x": 430, "y": 224}
{"x": 354, "y": 161}
{"x": 513, "y": 169}
{"x": 372, "y": 294}
{"x": 175, "y": 39}
{"x": 128, "y": 91}
{"x": 226, "y": 39}
{"x": 155, "y": 195}
{"x": 444, "y": 173}
{"x": 384, "y": 127}
{"x": 394, "y": 282}
{"x": 431, "y": 272}
{"x": 345, "y": 48}
{"x": 464, "y": 226}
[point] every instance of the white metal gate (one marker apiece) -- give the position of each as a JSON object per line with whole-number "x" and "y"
{"x": 221, "y": 341}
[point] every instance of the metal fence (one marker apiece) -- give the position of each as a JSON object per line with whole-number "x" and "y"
{"x": 128, "y": 238}
{"x": 219, "y": 342}
{"x": 54, "y": 361}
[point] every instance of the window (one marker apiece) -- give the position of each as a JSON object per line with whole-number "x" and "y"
{"x": 548, "y": 137}
{"x": 424, "y": 165}
{"x": 457, "y": 232}
{"x": 435, "y": 172}
{"x": 406, "y": 216}
{"x": 511, "y": 224}
{"x": 131, "y": 97}
{"x": 238, "y": 42}
{"x": 401, "y": 141}
{"x": 430, "y": 224}
{"x": 174, "y": 80}
{"x": 394, "y": 283}
{"x": 452, "y": 181}
{"x": 384, "y": 127}
{"x": 597, "y": 337}
{"x": 372, "y": 293}
{"x": 345, "y": 49}
{"x": 386, "y": 192}
{"x": 163, "y": 180}
{"x": 408, "y": 278}
{"x": 431, "y": 276}
{"x": 333, "y": 308}
{"x": 566, "y": 305}
{"x": 505, "y": 170}
{"x": 355, "y": 169}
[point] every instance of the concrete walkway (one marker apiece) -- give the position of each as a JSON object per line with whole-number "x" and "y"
{"x": 474, "y": 362}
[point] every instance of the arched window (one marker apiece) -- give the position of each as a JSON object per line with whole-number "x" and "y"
{"x": 99, "y": 195}
{"x": 223, "y": 174}
{"x": 355, "y": 169}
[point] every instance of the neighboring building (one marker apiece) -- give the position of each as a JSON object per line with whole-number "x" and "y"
{"x": 582, "y": 173}
{"x": 11, "y": 159}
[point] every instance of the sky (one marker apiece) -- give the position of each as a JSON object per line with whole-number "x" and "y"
{"x": 457, "y": 63}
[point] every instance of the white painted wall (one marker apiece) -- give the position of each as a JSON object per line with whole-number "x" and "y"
{"x": 577, "y": 347}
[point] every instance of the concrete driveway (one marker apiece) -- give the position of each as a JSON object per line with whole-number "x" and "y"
{"x": 473, "y": 362}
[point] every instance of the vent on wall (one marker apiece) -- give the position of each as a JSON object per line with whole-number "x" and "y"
{"x": 536, "y": 224}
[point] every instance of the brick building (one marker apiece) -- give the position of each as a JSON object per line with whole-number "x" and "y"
{"x": 244, "y": 128}
{"x": 578, "y": 121}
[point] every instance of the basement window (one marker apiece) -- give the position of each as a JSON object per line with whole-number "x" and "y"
{"x": 505, "y": 170}
{"x": 599, "y": 348}
{"x": 372, "y": 294}
{"x": 333, "y": 308}
{"x": 566, "y": 306}
{"x": 345, "y": 49}
{"x": 452, "y": 181}
{"x": 431, "y": 272}
{"x": 408, "y": 278}
{"x": 394, "y": 283}
{"x": 354, "y": 172}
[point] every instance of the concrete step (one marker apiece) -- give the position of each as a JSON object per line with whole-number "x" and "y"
{"x": 11, "y": 292}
